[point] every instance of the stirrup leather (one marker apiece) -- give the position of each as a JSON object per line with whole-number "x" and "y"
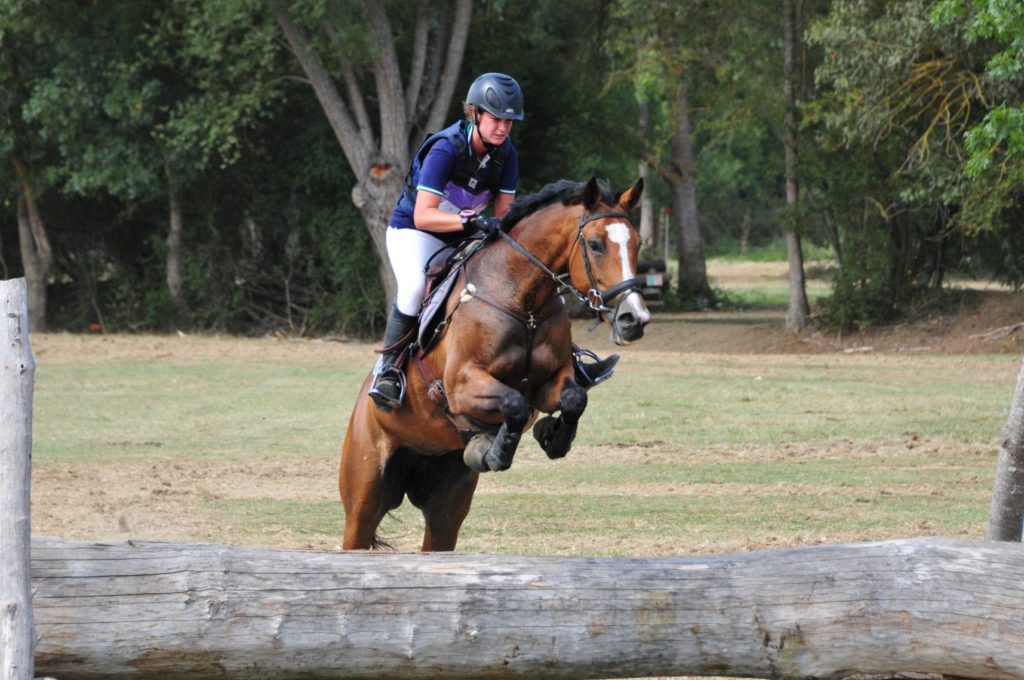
{"x": 594, "y": 372}
{"x": 387, "y": 402}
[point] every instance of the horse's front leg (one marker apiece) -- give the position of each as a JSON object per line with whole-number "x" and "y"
{"x": 480, "y": 396}
{"x": 555, "y": 434}
{"x": 484, "y": 454}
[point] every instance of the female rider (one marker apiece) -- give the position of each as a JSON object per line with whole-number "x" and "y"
{"x": 456, "y": 174}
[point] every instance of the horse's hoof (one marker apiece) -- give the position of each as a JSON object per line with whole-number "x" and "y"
{"x": 476, "y": 451}
{"x": 545, "y": 431}
{"x": 503, "y": 450}
{"x": 495, "y": 463}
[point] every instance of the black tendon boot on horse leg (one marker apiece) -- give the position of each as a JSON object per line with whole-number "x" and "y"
{"x": 494, "y": 454}
{"x": 594, "y": 371}
{"x": 555, "y": 433}
{"x": 389, "y": 386}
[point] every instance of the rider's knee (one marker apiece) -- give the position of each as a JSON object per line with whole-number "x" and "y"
{"x": 410, "y": 295}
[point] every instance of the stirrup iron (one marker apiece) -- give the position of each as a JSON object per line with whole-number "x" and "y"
{"x": 594, "y": 372}
{"x": 386, "y": 402}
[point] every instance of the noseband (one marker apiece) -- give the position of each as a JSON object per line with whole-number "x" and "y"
{"x": 595, "y": 299}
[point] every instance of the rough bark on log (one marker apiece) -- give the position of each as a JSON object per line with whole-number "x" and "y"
{"x": 16, "y": 388}
{"x": 150, "y": 610}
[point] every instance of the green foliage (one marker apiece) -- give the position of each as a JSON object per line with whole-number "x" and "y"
{"x": 910, "y": 133}
{"x": 995, "y": 144}
{"x": 911, "y": 147}
{"x": 157, "y": 310}
{"x": 861, "y": 303}
{"x": 225, "y": 60}
{"x": 126, "y": 92}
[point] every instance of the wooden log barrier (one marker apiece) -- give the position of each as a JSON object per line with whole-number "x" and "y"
{"x": 17, "y": 384}
{"x": 156, "y": 610}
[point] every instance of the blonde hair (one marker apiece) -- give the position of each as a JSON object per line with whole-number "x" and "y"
{"x": 468, "y": 110}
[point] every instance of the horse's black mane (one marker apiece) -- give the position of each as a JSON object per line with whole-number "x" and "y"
{"x": 564, "y": 190}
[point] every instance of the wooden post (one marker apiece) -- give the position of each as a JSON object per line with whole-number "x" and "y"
{"x": 1006, "y": 512}
{"x": 161, "y": 610}
{"x": 16, "y": 386}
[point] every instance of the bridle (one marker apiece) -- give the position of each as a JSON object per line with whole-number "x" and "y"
{"x": 595, "y": 299}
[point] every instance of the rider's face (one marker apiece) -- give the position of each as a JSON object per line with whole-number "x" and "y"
{"x": 494, "y": 130}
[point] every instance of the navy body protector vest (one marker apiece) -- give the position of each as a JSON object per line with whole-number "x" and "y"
{"x": 466, "y": 164}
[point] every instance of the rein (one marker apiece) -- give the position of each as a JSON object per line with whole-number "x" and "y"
{"x": 594, "y": 298}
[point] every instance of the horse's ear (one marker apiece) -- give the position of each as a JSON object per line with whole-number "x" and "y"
{"x": 591, "y": 194}
{"x": 630, "y": 198}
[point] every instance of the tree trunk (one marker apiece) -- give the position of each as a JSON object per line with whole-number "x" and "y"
{"x": 36, "y": 252}
{"x": 1006, "y": 513}
{"x": 693, "y": 275}
{"x": 175, "y": 280}
{"x": 380, "y": 161}
{"x": 17, "y": 634}
{"x": 799, "y": 311}
{"x": 150, "y": 610}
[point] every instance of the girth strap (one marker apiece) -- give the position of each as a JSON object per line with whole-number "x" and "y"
{"x": 435, "y": 386}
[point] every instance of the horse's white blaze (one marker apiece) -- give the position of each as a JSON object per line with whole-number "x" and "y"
{"x": 620, "y": 234}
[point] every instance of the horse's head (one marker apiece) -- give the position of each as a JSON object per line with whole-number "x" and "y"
{"x": 606, "y": 268}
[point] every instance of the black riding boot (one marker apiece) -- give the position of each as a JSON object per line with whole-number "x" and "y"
{"x": 595, "y": 371}
{"x": 388, "y": 387}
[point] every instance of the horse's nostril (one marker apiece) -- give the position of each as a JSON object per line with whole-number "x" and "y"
{"x": 626, "y": 320}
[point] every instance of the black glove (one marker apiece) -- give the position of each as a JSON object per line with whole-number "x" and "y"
{"x": 488, "y": 226}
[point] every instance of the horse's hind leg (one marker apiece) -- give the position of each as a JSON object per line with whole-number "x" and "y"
{"x": 442, "y": 488}
{"x": 555, "y": 434}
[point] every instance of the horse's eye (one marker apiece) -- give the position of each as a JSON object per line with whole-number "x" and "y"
{"x": 596, "y": 245}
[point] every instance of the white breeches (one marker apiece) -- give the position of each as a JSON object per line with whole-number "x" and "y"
{"x": 409, "y": 250}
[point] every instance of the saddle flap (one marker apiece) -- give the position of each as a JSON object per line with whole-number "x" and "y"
{"x": 441, "y": 274}
{"x": 433, "y": 308}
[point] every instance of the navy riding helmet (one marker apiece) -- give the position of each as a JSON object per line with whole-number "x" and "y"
{"x": 498, "y": 94}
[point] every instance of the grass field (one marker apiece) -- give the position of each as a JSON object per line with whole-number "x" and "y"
{"x": 237, "y": 440}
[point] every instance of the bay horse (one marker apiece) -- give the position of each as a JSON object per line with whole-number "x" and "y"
{"x": 503, "y": 355}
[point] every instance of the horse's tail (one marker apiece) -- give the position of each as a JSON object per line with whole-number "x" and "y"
{"x": 378, "y": 543}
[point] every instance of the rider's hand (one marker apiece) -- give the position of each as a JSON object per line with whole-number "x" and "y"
{"x": 488, "y": 226}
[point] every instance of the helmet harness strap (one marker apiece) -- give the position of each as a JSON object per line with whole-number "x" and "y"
{"x": 488, "y": 148}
